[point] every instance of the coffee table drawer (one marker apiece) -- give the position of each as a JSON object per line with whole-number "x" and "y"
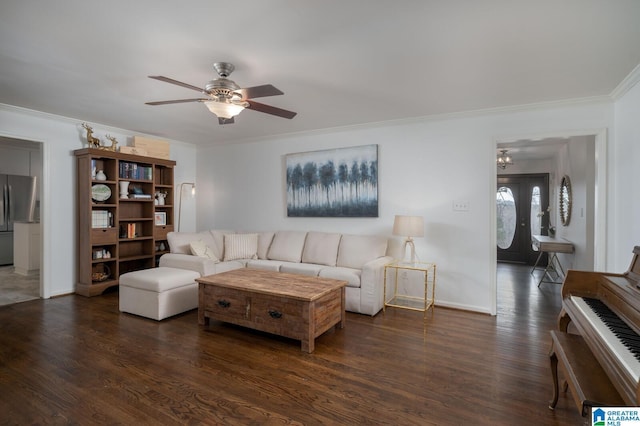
{"x": 224, "y": 303}
{"x": 280, "y": 316}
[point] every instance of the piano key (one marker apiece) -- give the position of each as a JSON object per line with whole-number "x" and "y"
{"x": 626, "y": 356}
{"x": 628, "y": 337}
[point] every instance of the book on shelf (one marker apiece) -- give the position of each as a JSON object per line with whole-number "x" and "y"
{"x": 131, "y": 230}
{"x": 141, "y": 196}
{"x": 135, "y": 171}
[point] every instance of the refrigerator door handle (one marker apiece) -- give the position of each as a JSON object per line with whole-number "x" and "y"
{"x": 10, "y": 211}
{"x": 3, "y": 206}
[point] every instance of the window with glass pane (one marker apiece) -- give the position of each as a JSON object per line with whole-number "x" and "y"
{"x": 536, "y": 213}
{"x": 506, "y": 216}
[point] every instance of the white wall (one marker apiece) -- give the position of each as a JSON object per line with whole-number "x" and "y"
{"x": 60, "y": 137}
{"x": 576, "y": 160}
{"x": 424, "y": 166}
{"x": 625, "y": 180}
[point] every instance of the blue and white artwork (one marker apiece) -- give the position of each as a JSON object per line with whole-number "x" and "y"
{"x": 333, "y": 183}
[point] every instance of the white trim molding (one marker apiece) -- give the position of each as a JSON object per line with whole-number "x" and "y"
{"x": 625, "y": 85}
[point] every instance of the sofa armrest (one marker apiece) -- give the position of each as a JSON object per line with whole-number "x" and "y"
{"x": 372, "y": 285}
{"x": 201, "y": 265}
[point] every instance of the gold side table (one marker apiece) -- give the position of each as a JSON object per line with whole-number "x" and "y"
{"x": 403, "y": 301}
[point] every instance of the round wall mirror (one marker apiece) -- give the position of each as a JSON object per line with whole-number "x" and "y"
{"x": 565, "y": 200}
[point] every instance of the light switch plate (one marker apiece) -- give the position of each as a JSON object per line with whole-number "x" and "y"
{"x": 461, "y": 206}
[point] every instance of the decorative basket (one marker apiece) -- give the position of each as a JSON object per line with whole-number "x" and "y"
{"x": 101, "y": 272}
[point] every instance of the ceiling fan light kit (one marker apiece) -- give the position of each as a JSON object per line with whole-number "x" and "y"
{"x": 226, "y": 98}
{"x": 225, "y": 109}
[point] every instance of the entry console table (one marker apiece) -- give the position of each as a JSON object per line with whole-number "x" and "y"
{"x": 553, "y": 271}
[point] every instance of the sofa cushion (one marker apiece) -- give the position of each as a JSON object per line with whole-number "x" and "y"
{"x": 350, "y": 275}
{"x": 218, "y": 241}
{"x": 287, "y": 246}
{"x": 201, "y": 265}
{"x": 200, "y": 249}
{"x": 321, "y": 248}
{"x": 179, "y": 242}
{"x": 264, "y": 264}
{"x": 301, "y": 268}
{"x": 240, "y": 246}
{"x": 264, "y": 242}
{"x": 356, "y": 250}
{"x": 159, "y": 279}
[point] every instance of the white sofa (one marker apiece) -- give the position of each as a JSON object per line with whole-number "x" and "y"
{"x": 357, "y": 259}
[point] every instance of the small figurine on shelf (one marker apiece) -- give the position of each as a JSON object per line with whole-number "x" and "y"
{"x": 114, "y": 144}
{"x": 91, "y": 140}
{"x": 160, "y": 196}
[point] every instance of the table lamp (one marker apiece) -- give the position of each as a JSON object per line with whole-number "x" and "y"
{"x": 409, "y": 226}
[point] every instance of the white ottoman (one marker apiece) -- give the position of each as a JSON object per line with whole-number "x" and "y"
{"x": 158, "y": 293}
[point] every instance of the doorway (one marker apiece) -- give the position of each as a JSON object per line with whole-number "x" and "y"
{"x": 20, "y": 270}
{"x": 522, "y": 201}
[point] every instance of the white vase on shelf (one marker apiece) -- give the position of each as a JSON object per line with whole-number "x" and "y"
{"x": 124, "y": 189}
{"x": 100, "y": 175}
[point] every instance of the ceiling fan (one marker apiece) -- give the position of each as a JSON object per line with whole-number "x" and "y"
{"x": 225, "y": 98}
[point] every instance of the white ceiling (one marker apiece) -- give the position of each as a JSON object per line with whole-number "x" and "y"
{"x": 339, "y": 63}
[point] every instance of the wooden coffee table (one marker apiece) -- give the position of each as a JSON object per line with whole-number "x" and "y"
{"x": 290, "y": 305}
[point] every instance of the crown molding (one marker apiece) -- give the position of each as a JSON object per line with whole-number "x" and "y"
{"x": 625, "y": 85}
{"x": 574, "y": 102}
{"x": 75, "y": 121}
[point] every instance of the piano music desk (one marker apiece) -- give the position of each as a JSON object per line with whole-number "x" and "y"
{"x": 552, "y": 246}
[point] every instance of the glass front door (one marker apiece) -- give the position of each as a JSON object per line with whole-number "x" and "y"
{"x": 521, "y": 204}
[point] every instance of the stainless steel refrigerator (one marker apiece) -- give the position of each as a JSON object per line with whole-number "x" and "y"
{"x": 17, "y": 204}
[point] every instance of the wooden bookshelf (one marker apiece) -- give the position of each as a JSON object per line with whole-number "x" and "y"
{"x": 120, "y": 234}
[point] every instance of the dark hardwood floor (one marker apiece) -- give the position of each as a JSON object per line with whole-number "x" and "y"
{"x": 78, "y": 360}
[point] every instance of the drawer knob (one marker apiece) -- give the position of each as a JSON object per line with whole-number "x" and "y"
{"x": 224, "y": 303}
{"x": 275, "y": 314}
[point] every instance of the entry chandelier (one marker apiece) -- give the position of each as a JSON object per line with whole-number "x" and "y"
{"x": 503, "y": 159}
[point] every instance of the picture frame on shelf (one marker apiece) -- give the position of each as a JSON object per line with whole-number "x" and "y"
{"x": 161, "y": 218}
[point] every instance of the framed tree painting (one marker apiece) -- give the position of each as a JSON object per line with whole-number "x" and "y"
{"x": 339, "y": 182}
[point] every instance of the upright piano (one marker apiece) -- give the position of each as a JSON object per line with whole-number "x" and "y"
{"x": 605, "y": 310}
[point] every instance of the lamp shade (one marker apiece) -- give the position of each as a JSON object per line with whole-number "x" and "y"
{"x": 408, "y": 226}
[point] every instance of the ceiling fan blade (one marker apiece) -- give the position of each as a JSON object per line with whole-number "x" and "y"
{"x": 225, "y": 120}
{"x": 268, "y": 109}
{"x": 176, "y": 82}
{"x": 177, "y": 101}
{"x": 259, "y": 91}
